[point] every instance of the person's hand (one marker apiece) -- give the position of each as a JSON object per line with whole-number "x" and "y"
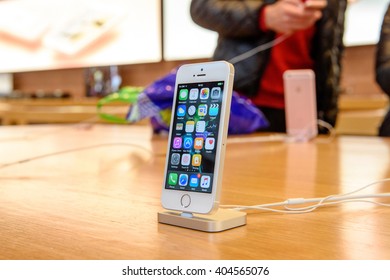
{"x": 288, "y": 16}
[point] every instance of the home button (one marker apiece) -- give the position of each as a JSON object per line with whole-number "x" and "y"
{"x": 185, "y": 200}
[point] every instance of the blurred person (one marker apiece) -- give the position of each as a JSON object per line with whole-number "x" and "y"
{"x": 382, "y": 67}
{"x": 303, "y": 35}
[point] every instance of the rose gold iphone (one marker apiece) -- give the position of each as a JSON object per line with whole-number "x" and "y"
{"x": 315, "y": 4}
{"x": 300, "y": 104}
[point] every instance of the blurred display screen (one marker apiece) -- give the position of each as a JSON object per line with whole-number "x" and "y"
{"x": 58, "y": 34}
{"x": 363, "y": 21}
{"x": 183, "y": 39}
{"x": 55, "y": 34}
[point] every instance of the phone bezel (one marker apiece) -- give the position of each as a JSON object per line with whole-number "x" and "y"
{"x": 193, "y": 73}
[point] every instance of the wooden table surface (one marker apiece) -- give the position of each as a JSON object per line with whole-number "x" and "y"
{"x": 25, "y": 111}
{"x": 101, "y": 202}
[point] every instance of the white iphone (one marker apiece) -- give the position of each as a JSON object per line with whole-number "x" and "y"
{"x": 300, "y": 104}
{"x": 197, "y": 138}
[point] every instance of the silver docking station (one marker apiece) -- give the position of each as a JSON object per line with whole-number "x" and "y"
{"x": 221, "y": 220}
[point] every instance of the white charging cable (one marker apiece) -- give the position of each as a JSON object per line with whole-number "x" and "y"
{"x": 285, "y": 138}
{"x": 317, "y": 202}
{"x": 258, "y": 49}
{"x": 306, "y": 134}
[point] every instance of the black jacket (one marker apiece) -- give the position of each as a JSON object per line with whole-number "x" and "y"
{"x": 237, "y": 23}
{"x": 382, "y": 67}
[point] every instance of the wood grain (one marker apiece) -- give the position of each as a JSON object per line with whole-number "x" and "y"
{"x": 102, "y": 202}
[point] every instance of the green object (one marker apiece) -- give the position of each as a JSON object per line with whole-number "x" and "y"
{"x": 172, "y": 179}
{"x": 128, "y": 95}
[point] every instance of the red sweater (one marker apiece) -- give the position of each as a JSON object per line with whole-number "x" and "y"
{"x": 292, "y": 53}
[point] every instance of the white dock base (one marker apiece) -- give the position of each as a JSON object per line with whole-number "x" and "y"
{"x": 221, "y": 220}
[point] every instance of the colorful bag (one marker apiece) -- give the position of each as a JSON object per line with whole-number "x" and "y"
{"x": 155, "y": 102}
